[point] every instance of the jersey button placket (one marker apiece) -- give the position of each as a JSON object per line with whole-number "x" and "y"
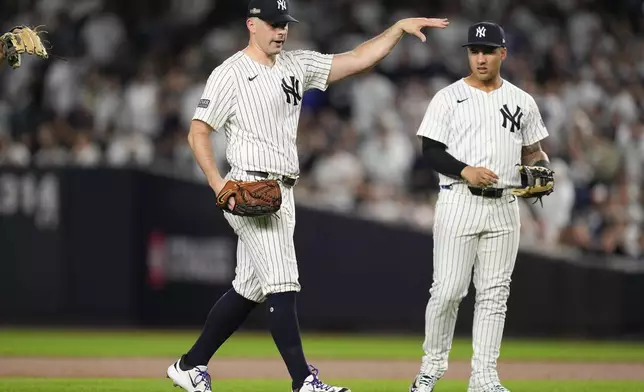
{"x": 490, "y": 133}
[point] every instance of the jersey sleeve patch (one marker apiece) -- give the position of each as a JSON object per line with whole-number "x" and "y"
{"x": 203, "y": 103}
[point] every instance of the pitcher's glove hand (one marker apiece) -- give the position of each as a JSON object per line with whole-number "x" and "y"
{"x": 252, "y": 198}
{"x": 536, "y": 182}
{"x": 21, "y": 40}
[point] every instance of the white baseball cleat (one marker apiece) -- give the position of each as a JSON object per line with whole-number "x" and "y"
{"x": 196, "y": 379}
{"x": 313, "y": 384}
{"x": 497, "y": 388}
{"x": 423, "y": 383}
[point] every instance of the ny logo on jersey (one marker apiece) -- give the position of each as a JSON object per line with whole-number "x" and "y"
{"x": 480, "y": 31}
{"x": 514, "y": 119}
{"x": 281, "y": 5}
{"x": 293, "y": 91}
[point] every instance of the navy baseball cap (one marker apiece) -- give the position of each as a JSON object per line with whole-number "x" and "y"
{"x": 485, "y": 34}
{"x": 271, "y": 11}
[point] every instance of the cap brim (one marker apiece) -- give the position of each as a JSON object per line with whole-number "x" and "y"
{"x": 491, "y": 44}
{"x": 282, "y": 19}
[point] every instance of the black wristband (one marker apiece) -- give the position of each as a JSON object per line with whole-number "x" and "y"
{"x": 543, "y": 163}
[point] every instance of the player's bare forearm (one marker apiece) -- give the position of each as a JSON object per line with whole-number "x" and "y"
{"x": 366, "y": 55}
{"x": 533, "y": 154}
{"x": 199, "y": 140}
{"x": 370, "y": 53}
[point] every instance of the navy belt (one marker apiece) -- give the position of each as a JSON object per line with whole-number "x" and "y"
{"x": 286, "y": 180}
{"x": 494, "y": 193}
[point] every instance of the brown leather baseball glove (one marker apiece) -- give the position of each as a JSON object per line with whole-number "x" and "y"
{"x": 252, "y": 198}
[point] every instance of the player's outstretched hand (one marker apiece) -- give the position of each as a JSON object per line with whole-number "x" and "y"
{"x": 414, "y": 26}
{"x": 479, "y": 176}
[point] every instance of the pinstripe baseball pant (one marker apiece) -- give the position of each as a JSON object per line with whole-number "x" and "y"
{"x": 266, "y": 262}
{"x": 479, "y": 234}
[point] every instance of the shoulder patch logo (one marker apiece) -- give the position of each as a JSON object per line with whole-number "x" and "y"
{"x": 203, "y": 103}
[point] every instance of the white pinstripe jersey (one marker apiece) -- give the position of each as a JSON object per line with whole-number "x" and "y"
{"x": 484, "y": 129}
{"x": 259, "y": 107}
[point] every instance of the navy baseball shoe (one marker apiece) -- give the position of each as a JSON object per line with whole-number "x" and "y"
{"x": 196, "y": 379}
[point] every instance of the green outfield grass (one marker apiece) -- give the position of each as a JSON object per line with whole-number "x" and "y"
{"x": 138, "y": 385}
{"x": 14, "y": 342}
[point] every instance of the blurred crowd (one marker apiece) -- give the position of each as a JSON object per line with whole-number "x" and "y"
{"x": 127, "y": 77}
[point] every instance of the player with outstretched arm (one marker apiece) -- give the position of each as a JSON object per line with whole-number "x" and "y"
{"x": 255, "y": 98}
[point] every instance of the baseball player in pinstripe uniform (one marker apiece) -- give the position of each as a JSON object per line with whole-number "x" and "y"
{"x": 255, "y": 97}
{"x": 474, "y": 134}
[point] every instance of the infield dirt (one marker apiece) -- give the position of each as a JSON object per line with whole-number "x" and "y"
{"x": 274, "y": 369}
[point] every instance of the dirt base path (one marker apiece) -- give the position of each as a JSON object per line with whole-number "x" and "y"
{"x": 274, "y": 369}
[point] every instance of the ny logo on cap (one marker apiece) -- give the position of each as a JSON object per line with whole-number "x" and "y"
{"x": 480, "y": 31}
{"x": 281, "y": 5}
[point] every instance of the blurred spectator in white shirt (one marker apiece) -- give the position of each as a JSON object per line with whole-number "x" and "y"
{"x": 338, "y": 176}
{"x": 63, "y": 86}
{"x": 141, "y": 103}
{"x": 13, "y": 153}
{"x": 412, "y": 100}
{"x": 371, "y": 95}
{"x": 387, "y": 156}
{"x": 103, "y": 36}
{"x": 557, "y": 206}
{"x": 383, "y": 203}
{"x": 555, "y": 116}
{"x": 130, "y": 149}
{"x": 583, "y": 27}
{"x": 624, "y": 106}
{"x": 50, "y": 152}
{"x": 84, "y": 151}
{"x": 108, "y": 106}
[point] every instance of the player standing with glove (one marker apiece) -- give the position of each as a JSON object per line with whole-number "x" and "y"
{"x": 481, "y": 134}
{"x": 255, "y": 97}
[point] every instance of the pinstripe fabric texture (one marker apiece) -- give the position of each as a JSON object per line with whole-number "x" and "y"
{"x": 266, "y": 261}
{"x": 247, "y": 100}
{"x": 258, "y": 108}
{"x": 470, "y": 123}
{"x": 477, "y": 234}
{"x": 476, "y": 239}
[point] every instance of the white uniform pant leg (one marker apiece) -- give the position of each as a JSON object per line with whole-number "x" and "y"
{"x": 498, "y": 248}
{"x": 268, "y": 250}
{"x": 457, "y": 225}
{"x": 246, "y": 282}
